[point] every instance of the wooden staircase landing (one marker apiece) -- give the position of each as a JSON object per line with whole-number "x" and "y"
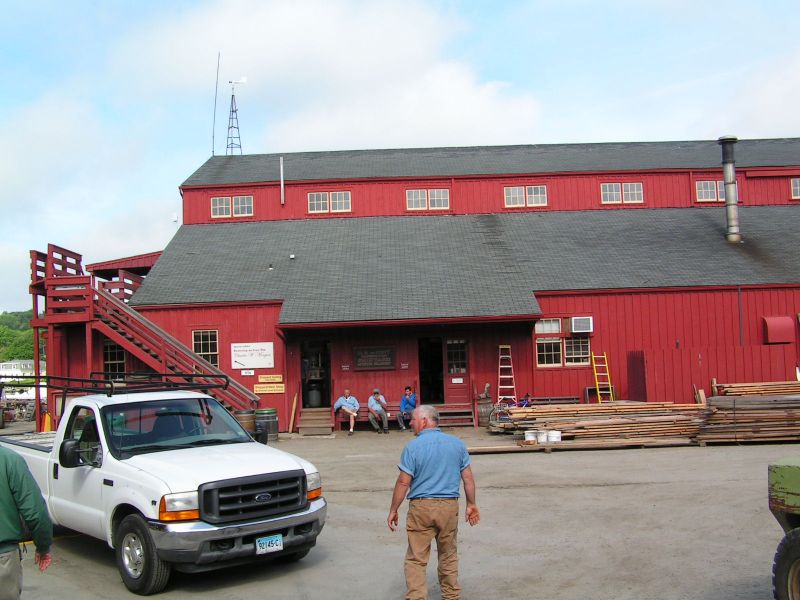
{"x": 315, "y": 421}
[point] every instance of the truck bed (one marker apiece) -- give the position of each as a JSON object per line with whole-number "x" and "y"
{"x": 42, "y": 442}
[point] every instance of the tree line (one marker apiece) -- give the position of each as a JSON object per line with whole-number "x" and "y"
{"x": 16, "y": 336}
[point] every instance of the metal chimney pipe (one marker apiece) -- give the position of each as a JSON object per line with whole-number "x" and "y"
{"x": 732, "y": 233}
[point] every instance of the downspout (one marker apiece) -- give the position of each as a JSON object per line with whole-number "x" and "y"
{"x": 732, "y": 233}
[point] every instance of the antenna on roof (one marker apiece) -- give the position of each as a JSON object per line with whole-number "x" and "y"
{"x": 214, "y": 119}
{"x": 234, "y": 141}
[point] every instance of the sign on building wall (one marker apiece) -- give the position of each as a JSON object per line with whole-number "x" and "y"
{"x": 269, "y": 388}
{"x": 253, "y": 355}
{"x": 277, "y": 378}
{"x": 373, "y": 358}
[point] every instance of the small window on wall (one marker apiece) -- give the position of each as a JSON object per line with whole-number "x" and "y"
{"x": 242, "y": 206}
{"x": 548, "y": 352}
{"x": 428, "y": 199}
{"x": 796, "y": 188}
{"x": 220, "y": 207}
{"x": 555, "y": 348}
{"x": 610, "y": 193}
{"x": 710, "y": 191}
{"x": 323, "y": 202}
{"x": 519, "y": 196}
{"x": 113, "y": 360}
{"x": 205, "y": 344}
{"x": 456, "y": 356}
{"x": 576, "y": 351}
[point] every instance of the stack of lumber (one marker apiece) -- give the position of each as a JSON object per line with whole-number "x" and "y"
{"x": 609, "y": 420}
{"x": 752, "y": 412}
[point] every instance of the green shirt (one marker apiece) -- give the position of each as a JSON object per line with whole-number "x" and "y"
{"x": 21, "y": 497}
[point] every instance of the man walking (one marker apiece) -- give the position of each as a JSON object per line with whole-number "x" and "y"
{"x": 20, "y": 500}
{"x": 432, "y": 467}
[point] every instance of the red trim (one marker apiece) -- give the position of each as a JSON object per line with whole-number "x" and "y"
{"x": 676, "y": 289}
{"x": 773, "y": 172}
{"x": 247, "y": 303}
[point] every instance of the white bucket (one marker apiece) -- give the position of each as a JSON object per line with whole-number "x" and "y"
{"x": 530, "y": 436}
{"x": 541, "y": 436}
{"x": 553, "y": 436}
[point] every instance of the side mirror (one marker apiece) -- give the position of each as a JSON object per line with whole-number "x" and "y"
{"x": 68, "y": 454}
{"x": 71, "y": 455}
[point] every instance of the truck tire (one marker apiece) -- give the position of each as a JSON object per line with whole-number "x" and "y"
{"x": 786, "y": 567}
{"x": 142, "y": 571}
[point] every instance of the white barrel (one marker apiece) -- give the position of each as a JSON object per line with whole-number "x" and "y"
{"x": 553, "y": 436}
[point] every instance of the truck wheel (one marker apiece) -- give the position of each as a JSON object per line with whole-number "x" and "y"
{"x": 786, "y": 568}
{"x": 142, "y": 571}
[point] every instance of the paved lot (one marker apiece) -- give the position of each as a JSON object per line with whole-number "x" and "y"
{"x": 661, "y": 524}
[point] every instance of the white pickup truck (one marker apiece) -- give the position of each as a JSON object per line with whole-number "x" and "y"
{"x": 170, "y": 480}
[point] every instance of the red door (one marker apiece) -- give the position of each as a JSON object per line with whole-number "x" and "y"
{"x": 456, "y": 374}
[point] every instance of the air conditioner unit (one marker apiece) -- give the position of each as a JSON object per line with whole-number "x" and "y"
{"x": 581, "y": 325}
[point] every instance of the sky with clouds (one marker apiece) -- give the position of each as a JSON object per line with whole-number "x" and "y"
{"x": 106, "y": 107}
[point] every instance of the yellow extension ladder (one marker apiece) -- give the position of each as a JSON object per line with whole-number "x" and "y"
{"x": 602, "y": 377}
{"x": 506, "y": 389}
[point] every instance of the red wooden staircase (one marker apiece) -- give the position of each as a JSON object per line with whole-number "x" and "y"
{"x": 72, "y": 297}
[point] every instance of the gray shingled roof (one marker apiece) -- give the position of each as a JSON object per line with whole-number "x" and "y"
{"x": 490, "y": 160}
{"x": 421, "y": 267}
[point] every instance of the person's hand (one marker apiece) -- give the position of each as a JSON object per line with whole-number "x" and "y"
{"x": 392, "y": 520}
{"x": 43, "y": 560}
{"x": 472, "y": 515}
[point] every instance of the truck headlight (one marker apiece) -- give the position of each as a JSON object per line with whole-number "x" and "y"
{"x": 179, "y": 507}
{"x": 314, "y": 483}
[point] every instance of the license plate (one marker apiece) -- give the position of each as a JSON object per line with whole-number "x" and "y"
{"x": 269, "y": 543}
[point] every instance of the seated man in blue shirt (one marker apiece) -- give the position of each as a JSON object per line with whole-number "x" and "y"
{"x": 349, "y": 405}
{"x": 408, "y": 402}
{"x": 377, "y": 410}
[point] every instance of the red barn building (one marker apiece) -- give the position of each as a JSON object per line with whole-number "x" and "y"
{"x": 303, "y": 274}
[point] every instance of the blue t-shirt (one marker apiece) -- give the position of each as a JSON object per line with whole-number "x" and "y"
{"x": 435, "y": 461}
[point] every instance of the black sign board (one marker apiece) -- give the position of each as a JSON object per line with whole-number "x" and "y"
{"x": 373, "y": 358}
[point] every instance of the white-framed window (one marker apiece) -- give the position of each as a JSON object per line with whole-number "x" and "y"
{"x": 323, "y": 202}
{"x": 536, "y": 195}
{"x": 796, "y": 188}
{"x": 340, "y": 201}
{"x": 548, "y": 352}
{"x": 456, "y": 356}
{"x": 242, "y": 206}
{"x": 610, "y": 193}
{"x": 318, "y": 202}
{"x": 555, "y": 348}
{"x": 438, "y": 199}
{"x": 576, "y": 351}
{"x": 220, "y": 207}
{"x": 529, "y": 195}
{"x": 632, "y": 193}
{"x": 710, "y": 191}
{"x": 113, "y": 359}
{"x": 205, "y": 343}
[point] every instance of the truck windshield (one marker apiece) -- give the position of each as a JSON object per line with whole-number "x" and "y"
{"x": 142, "y": 427}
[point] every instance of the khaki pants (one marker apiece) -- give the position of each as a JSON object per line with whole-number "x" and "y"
{"x": 430, "y": 518}
{"x": 10, "y": 575}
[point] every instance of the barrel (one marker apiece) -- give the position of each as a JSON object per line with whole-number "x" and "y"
{"x": 484, "y": 411}
{"x": 267, "y": 425}
{"x": 314, "y": 397}
{"x": 247, "y": 419}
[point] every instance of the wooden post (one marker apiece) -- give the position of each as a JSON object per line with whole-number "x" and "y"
{"x": 291, "y": 416}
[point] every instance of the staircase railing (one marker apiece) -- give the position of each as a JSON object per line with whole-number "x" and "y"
{"x": 172, "y": 355}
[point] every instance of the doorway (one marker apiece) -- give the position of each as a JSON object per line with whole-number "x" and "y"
{"x": 431, "y": 370}
{"x": 315, "y": 373}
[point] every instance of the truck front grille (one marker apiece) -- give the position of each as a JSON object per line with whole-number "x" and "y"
{"x": 255, "y": 497}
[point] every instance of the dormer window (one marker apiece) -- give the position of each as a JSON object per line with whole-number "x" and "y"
{"x": 438, "y": 199}
{"x": 329, "y": 202}
{"x": 223, "y": 207}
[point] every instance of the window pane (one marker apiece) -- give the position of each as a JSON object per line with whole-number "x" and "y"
{"x": 416, "y": 199}
{"x": 547, "y": 326}
{"x": 242, "y": 206}
{"x": 610, "y": 193}
{"x": 796, "y": 188}
{"x": 548, "y": 352}
{"x": 113, "y": 359}
{"x": 706, "y": 191}
{"x": 537, "y": 195}
{"x": 632, "y": 192}
{"x": 221, "y": 207}
{"x": 204, "y": 343}
{"x": 318, "y": 202}
{"x": 456, "y": 356}
{"x": 514, "y": 196}
{"x": 576, "y": 351}
{"x": 439, "y": 198}
{"x": 340, "y": 201}
{"x": 721, "y": 190}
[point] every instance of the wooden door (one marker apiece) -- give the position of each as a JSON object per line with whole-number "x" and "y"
{"x": 456, "y": 369}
